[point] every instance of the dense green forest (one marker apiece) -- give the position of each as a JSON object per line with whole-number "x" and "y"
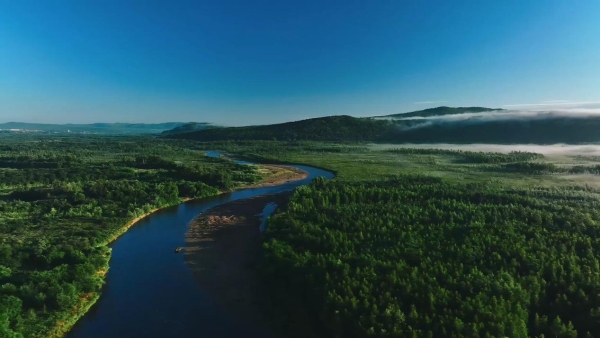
{"x": 471, "y": 156}
{"x": 404, "y": 242}
{"x": 418, "y": 256}
{"x": 62, "y": 199}
{"x": 411, "y": 242}
{"x": 538, "y": 131}
{"x": 189, "y": 127}
{"x": 548, "y": 130}
{"x": 331, "y": 128}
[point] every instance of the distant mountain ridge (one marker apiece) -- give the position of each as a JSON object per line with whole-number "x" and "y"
{"x": 502, "y": 128}
{"x": 189, "y": 127}
{"x": 443, "y": 110}
{"x": 94, "y": 128}
{"x": 330, "y": 128}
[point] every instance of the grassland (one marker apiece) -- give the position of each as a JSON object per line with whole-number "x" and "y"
{"x": 356, "y": 162}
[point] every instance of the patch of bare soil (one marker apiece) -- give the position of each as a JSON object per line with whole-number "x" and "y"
{"x": 223, "y": 250}
{"x": 279, "y": 174}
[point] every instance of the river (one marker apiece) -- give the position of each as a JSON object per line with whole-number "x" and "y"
{"x": 150, "y": 291}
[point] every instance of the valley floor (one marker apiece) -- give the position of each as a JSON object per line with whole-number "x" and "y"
{"x": 405, "y": 241}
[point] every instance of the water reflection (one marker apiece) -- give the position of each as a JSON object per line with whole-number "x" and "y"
{"x": 150, "y": 292}
{"x": 264, "y": 215}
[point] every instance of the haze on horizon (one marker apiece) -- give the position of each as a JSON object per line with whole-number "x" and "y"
{"x": 238, "y": 63}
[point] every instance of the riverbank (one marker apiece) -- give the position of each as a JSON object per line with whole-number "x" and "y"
{"x": 87, "y": 301}
{"x": 278, "y": 174}
{"x": 273, "y": 175}
{"x": 223, "y": 247}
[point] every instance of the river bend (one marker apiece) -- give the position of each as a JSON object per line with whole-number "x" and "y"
{"x": 150, "y": 291}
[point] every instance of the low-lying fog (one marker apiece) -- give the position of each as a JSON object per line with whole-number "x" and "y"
{"x": 555, "y": 149}
{"x": 584, "y": 110}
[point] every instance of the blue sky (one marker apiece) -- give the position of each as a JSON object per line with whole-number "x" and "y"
{"x": 251, "y": 62}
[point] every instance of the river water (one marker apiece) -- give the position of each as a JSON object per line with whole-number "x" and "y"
{"x": 150, "y": 292}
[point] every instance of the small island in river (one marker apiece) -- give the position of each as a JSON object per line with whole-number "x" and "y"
{"x": 223, "y": 247}
{"x": 223, "y": 251}
{"x": 278, "y": 174}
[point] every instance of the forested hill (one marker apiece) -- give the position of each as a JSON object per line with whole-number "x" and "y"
{"x": 443, "y": 110}
{"x": 331, "y": 128}
{"x": 95, "y": 128}
{"x": 571, "y": 130}
{"x": 492, "y": 126}
{"x": 189, "y": 127}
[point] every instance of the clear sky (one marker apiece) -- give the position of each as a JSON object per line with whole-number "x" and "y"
{"x": 252, "y": 62}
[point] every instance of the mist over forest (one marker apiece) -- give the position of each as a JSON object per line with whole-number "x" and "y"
{"x": 462, "y": 125}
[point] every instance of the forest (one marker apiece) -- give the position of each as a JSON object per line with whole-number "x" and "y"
{"x": 331, "y": 128}
{"x": 570, "y": 130}
{"x": 403, "y": 242}
{"x": 410, "y": 242}
{"x": 394, "y": 129}
{"x": 418, "y": 256}
{"x": 63, "y": 199}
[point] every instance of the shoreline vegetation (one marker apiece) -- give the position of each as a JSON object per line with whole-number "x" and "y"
{"x": 86, "y": 303}
{"x": 64, "y": 198}
{"x": 275, "y": 175}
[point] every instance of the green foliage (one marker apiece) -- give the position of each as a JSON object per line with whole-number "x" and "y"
{"x": 394, "y": 129}
{"x": 419, "y": 256}
{"x": 63, "y": 198}
{"x": 471, "y": 156}
{"x": 478, "y": 243}
{"x": 331, "y": 128}
{"x": 189, "y": 127}
{"x": 570, "y": 130}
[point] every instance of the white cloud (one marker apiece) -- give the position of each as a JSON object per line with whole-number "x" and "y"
{"x": 555, "y": 149}
{"x": 511, "y": 115}
{"x": 581, "y": 112}
{"x": 554, "y": 103}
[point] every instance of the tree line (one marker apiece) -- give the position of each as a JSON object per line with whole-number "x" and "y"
{"x": 416, "y": 256}
{"x": 63, "y": 198}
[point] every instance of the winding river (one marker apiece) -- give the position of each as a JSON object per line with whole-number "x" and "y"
{"x": 150, "y": 292}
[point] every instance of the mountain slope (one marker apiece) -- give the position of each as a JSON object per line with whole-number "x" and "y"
{"x": 507, "y": 127}
{"x": 570, "y": 130}
{"x": 189, "y": 127}
{"x": 331, "y": 128}
{"x": 439, "y": 111}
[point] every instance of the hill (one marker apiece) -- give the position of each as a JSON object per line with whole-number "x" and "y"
{"x": 506, "y": 127}
{"x": 331, "y": 128}
{"x": 93, "y": 128}
{"x": 551, "y": 130}
{"x": 440, "y": 111}
{"x": 189, "y": 127}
